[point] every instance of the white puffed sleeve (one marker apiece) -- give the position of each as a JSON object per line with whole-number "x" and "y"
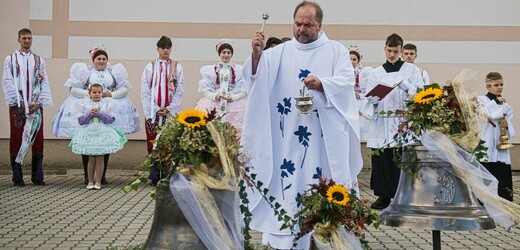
{"x": 207, "y": 84}
{"x": 240, "y": 89}
{"x": 146, "y": 92}
{"x": 120, "y": 75}
{"x": 79, "y": 74}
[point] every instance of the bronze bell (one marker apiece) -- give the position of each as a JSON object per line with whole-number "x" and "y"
{"x": 436, "y": 200}
{"x": 170, "y": 229}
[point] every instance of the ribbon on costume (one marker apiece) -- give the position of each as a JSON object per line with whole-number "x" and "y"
{"x": 33, "y": 121}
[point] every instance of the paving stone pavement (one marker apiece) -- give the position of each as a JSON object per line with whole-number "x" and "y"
{"x": 65, "y": 215}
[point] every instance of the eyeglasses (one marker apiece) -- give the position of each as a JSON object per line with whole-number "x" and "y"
{"x": 497, "y": 85}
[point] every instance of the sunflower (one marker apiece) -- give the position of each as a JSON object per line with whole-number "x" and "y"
{"x": 192, "y": 118}
{"x": 428, "y": 95}
{"x": 338, "y": 194}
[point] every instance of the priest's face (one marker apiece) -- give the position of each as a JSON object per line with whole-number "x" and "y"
{"x": 393, "y": 54}
{"x": 306, "y": 28}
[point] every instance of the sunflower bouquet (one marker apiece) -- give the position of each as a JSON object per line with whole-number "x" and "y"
{"x": 328, "y": 208}
{"x": 448, "y": 110}
{"x": 195, "y": 143}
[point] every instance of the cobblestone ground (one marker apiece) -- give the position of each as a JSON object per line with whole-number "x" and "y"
{"x": 65, "y": 215}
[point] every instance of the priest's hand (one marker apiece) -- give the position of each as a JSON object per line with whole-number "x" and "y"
{"x": 258, "y": 44}
{"x": 314, "y": 83}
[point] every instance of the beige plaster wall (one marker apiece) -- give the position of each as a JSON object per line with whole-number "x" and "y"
{"x": 485, "y": 38}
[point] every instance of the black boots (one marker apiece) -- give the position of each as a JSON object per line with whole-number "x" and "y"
{"x": 37, "y": 169}
{"x": 17, "y": 172}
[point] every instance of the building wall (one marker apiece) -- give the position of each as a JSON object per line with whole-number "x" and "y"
{"x": 451, "y": 35}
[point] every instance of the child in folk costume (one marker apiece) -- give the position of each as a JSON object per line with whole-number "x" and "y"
{"x": 162, "y": 87}
{"x": 223, "y": 87}
{"x": 96, "y": 137}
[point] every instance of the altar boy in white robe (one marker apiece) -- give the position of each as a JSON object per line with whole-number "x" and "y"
{"x": 289, "y": 151}
{"x": 499, "y": 115}
{"x": 385, "y": 173}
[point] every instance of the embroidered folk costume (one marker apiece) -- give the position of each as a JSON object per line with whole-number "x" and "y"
{"x": 162, "y": 87}
{"x": 114, "y": 80}
{"x": 224, "y": 79}
{"x": 24, "y": 83}
{"x": 96, "y": 135}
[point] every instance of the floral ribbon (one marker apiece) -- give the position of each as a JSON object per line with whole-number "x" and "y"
{"x": 33, "y": 121}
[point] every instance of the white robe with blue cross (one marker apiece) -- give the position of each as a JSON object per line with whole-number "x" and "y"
{"x": 289, "y": 151}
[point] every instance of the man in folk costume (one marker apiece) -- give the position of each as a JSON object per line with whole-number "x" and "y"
{"x": 385, "y": 173}
{"x": 27, "y": 91}
{"x": 162, "y": 87}
{"x": 289, "y": 151}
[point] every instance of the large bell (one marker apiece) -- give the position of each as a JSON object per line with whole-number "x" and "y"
{"x": 170, "y": 229}
{"x": 436, "y": 200}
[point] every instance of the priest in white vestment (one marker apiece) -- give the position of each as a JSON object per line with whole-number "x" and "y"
{"x": 288, "y": 150}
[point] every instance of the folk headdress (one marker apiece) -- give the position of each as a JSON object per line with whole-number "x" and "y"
{"x": 97, "y": 50}
{"x": 354, "y": 49}
{"x": 224, "y": 44}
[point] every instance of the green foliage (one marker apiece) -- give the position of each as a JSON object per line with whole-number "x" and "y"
{"x": 185, "y": 141}
{"x": 433, "y": 108}
{"x": 480, "y": 151}
{"x": 280, "y": 213}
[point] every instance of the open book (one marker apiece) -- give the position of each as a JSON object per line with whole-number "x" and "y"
{"x": 381, "y": 90}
